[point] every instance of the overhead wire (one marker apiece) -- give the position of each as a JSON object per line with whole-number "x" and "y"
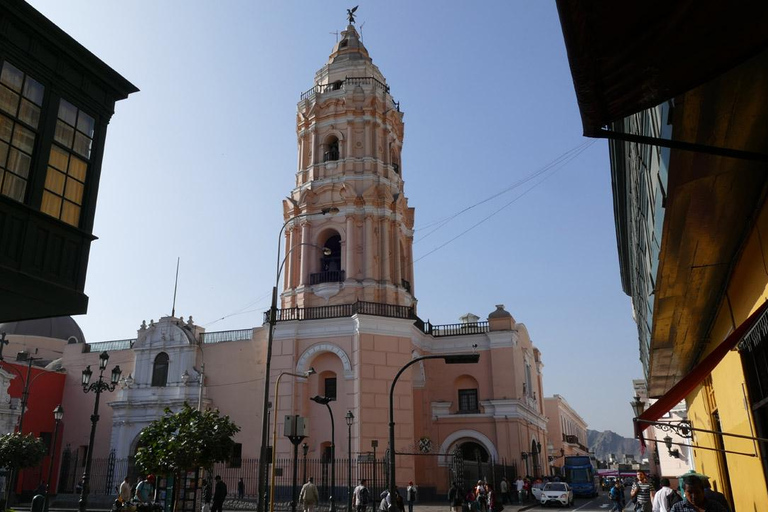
{"x": 553, "y": 169}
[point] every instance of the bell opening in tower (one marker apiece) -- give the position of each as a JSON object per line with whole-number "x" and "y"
{"x": 330, "y": 262}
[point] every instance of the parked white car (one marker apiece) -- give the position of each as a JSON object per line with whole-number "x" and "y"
{"x": 557, "y": 492}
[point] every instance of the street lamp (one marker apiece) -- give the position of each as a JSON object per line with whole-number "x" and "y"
{"x": 325, "y": 400}
{"x": 58, "y": 415}
{"x": 274, "y": 433}
{"x": 350, "y": 419}
{"x": 449, "y": 359}
{"x": 272, "y": 321}
{"x": 97, "y": 387}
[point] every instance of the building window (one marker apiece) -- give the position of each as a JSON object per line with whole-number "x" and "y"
{"x": 468, "y": 401}
{"x": 528, "y": 382}
{"x": 332, "y": 152}
{"x": 330, "y": 263}
{"x": 330, "y": 387}
{"x": 68, "y": 164}
{"x": 21, "y": 97}
{"x": 160, "y": 370}
{"x": 236, "y": 459}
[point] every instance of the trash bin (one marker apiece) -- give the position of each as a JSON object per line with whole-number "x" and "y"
{"x": 38, "y": 503}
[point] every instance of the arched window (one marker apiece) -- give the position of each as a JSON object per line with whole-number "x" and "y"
{"x": 160, "y": 370}
{"x": 330, "y": 263}
{"x": 331, "y": 150}
{"x": 394, "y": 158}
{"x": 466, "y": 389}
{"x": 528, "y": 381}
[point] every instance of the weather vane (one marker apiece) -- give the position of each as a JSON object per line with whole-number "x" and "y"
{"x": 351, "y": 14}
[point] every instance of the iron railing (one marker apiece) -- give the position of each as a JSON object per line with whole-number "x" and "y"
{"x": 379, "y": 309}
{"x": 328, "y": 276}
{"x": 341, "y": 85}
{"x": 109, "y": 346}
{"x": 108, "y": 473}
{"x": 225, "y": 336}
{"x": 456, "y": 329}
{"x": 344, "y": 310}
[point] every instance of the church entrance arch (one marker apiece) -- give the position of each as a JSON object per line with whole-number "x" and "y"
{"x": 476, "y": 461}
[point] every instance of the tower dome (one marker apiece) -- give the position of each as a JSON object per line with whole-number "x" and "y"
{"x": 59, "y": 327}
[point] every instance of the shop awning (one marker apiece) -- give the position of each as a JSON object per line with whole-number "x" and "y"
{"x": 626, "y": 57}
{"x": 688, "y": 383}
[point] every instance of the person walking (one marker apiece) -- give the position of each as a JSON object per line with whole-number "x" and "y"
{"x": 386, "y": 501}
{"x": 481, "y": 496}
{"x": 696, "y": 498}
{"x": 145, "y": 490}
{"x": 665, "y": 497}
{"x": 519, "y": 485}
{"x": 309, "y": 496}
{"x": 125, "y": 491}
{"x": 361, "y": 496}
{"x": 491, "y": 498}
{"x": 643, "y": 491}
{"x": 617, "y": 497}
{"x": 454, "y": 497}
{"x": 410, "y": 495}
{"x": 207, "y": 496}
{"x": 399, "y": 502}
{"x": 219, "y": 494}
{"x": 504, "y": 489}
{"x": 240, "y": 488}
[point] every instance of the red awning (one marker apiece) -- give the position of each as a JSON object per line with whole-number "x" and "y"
{"x": 688, "y": 383}
{"x": 626, "y": 57}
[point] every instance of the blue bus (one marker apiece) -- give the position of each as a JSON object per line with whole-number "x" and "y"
{"x": 580, "y": 473}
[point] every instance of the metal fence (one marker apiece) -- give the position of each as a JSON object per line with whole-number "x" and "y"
{"x": 108, "y": 473}
{"x": 322, "y": 470}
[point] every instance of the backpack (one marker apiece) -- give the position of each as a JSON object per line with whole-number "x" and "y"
{"x": 672, "y": 498}
{"x": 365, "y": 496}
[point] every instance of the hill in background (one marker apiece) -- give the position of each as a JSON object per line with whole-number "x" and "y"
{"x": 607, "y": 442}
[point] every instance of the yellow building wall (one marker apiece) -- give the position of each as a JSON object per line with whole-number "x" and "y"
{"x": 738, "y": 476}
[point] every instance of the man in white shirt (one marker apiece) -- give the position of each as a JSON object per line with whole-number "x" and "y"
{"x": 661, "y": 498}
{"x": 519, "y": 484}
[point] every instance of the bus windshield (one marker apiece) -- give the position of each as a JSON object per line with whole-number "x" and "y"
{"x": 579, "y": 475}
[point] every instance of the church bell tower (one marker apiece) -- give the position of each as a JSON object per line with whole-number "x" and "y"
{"x": 350, "y": 137}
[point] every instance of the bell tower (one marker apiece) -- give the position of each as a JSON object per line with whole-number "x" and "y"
{"x": 350, "y": 136}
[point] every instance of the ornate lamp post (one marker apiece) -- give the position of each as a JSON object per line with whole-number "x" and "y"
{"x": 58, "y": 415}
{"x": 449, "y": 359}
{"x": 325, "y": 400}
{"x": 97, "y": 387}
{"x": 272, "y": 321}
{"x": 350, "y": 419}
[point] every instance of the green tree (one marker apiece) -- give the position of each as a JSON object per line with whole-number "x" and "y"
{"x": 19, "y": 451}
{"x": 185, "y": 440}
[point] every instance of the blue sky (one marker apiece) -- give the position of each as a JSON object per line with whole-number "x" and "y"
{"x": 197, "y": 163}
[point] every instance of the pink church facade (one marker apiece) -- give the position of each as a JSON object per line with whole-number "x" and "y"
{"x": 348, "y": 310}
